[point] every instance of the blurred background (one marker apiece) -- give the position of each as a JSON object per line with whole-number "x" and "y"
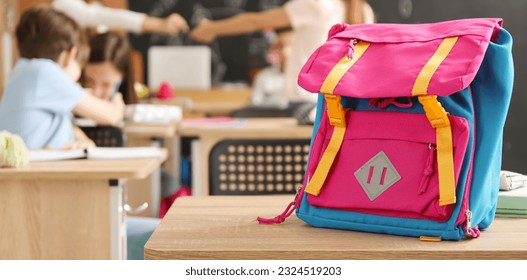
{"x": 236, "y": 59}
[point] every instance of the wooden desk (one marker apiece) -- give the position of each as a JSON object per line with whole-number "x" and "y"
{"x": 70, "y": 209}
{"x": 225, "y": 227}
{"x": 151, "y": 134}
{"x": 251, "y": 128}
{"x": 219, "y": 101}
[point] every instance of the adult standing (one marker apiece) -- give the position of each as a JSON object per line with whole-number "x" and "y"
{"x": 310, "y": 21}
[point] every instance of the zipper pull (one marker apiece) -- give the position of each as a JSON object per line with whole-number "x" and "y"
{"x": 351, "y": 50}
{"x": 429, "y": 170}
{"x": 471, "y": 231}
{"x": 287, "y": 212}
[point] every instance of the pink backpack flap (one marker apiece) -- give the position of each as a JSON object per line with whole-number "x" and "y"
{"x": 398, "y": 53}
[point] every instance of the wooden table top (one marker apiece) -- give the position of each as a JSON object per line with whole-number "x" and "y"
{"x": 150, "y": 130}
{"x": 217, "y": 101}
{"x": 256, "y": 127}
{"x": 85, "y": 169}
{"x": 225, "y": 227}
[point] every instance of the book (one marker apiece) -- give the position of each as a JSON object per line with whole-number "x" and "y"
{"x": 511, "y": 213}
{"x": 511, "y": 180}
{"x": 150, "y": 113}
{"x": 513, "y": 202}
{"x": 96, "y": 153}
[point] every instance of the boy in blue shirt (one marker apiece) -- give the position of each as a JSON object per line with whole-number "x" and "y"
{"x": 41, "y": 95}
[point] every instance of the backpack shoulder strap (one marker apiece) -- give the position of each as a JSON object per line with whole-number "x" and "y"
{"x": 336, "y": 116}
{"x": 438, "y": 118}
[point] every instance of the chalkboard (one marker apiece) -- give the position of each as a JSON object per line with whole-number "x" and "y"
{"x": 233, "y": 57}
{"x": 513, "y": 14}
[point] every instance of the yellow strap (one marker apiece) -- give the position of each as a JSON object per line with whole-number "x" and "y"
{"x": 430, "y": 238}
{"x": 338, "y": 71}
{"x": 438, "y": 118}
{"x": 445, "y": 166}
{"x": 336, "y": 116}
{"x": 315, "y": 184}
{"x": 423, "y": 80}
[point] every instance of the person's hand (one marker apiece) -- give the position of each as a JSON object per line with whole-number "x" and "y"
{"x": 203, "y": 32}
{"x": 172, "y": 25}
{"x": 175, "y": 23}
{"x": 79, "y": 144}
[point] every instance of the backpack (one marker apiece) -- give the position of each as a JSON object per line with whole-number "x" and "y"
{"x": 409, "y": 127}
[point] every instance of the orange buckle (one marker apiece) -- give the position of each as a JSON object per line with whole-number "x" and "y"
{"x": 435, "y": 113}
{"x": 336, "y": 113}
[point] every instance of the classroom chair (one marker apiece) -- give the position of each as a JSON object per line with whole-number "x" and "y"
{"x": 105, "y": 136}
{"x": 257, "y": 166}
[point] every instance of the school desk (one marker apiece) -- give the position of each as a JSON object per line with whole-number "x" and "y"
{"x": 209, "y": 134}
{"x": 225, "y": 227}
{"x": 218, "y": 101}
{"x": 71, "y": 209}
{"x": 151, "y": 134}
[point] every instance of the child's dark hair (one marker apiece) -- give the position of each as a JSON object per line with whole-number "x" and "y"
{"x": 110, "y": 47}
{"x": 115, "y": 49}
{"x": 45, "y": 33}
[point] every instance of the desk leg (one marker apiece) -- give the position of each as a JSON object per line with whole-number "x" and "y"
{"x": 117, "y": 222}
{"x": 155, "y": 192}
{"x": 173, "y": 163}
{"x": 196, "y": 167}
{"x": 139, "y": 192}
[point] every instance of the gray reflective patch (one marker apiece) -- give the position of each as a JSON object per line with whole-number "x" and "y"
{"x": 377, "y": 175}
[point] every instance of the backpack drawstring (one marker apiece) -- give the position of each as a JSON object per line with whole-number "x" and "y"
{"x": 280, "y": 218}
{"x": 287, "y": 212}
{"x": 382, "y": 103}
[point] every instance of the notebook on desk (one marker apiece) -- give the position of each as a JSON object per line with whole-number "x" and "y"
{"x": 152, "y": 113}
{"x": 181, "y": 66}
{"x": 511, "y": 180}
{"x": 96, "y": 153}
{"x": 512, "y": 203}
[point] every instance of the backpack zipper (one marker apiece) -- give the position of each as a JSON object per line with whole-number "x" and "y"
{"x": 429, "y": 170}
{"x": 351, "y": 46}
{"x": 471, "y": 231}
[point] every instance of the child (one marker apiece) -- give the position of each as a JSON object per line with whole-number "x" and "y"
{"x": 108, "y": 67}
{"x": 42, "y": 93}
{"x": 108, "y": 75}
{"x": 268, "y": 87}
{"x": 310, "y": 20}
{"x": 108, "y": 72}
{"x": 268, "y": 97}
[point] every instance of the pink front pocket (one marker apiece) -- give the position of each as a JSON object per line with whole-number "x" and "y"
{"x": 387, "y": 165}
